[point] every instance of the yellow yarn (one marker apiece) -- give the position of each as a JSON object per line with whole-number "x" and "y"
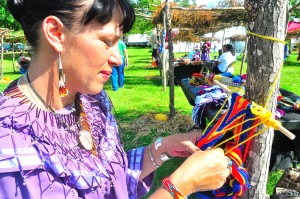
{"x": 161, "y": 117}
{"x": 267, "y": 37}
{"x": 265, "y": 116}
{"x": 217, "y": 77}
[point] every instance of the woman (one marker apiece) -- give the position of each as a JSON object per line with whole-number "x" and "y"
{"x": 58, "y": 138}
{"x": 225, "y": 60}
{"x": 205, "y": 52}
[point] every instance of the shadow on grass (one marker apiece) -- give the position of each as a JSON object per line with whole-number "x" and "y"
{"x": 133, "y": 81}
{"x": 146, "y": 60}
{"x": 291, "y": 64}
{"x": 11, "y": 73}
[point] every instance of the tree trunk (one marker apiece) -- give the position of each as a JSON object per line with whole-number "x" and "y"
{"x": 265, "y": 57}
{"x": 13, "y": 58}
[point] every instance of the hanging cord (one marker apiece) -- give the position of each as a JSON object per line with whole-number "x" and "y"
{"x": 266, "y": 37}
{"x": 272, "y": 87}
{"x": 115, "y": 112}
{"x": 279, "y": 72}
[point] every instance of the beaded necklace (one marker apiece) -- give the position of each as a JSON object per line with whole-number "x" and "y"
{"x": 84, "y": 135}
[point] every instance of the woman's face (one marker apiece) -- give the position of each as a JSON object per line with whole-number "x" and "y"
{"x": 89, "y": 55}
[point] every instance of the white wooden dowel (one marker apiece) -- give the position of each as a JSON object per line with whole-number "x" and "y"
{"x": 286, "y": 132}
{"x": 224, "y": 87}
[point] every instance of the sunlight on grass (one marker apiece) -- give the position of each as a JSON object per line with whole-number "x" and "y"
{"x": 272, "y": 180}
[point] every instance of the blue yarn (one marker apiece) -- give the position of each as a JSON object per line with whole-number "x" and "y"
{"x": 237, "y": 79}
{"x": 226, "y": 74}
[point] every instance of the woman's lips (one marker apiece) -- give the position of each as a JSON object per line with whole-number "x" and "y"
{"x": 105, "y": 74}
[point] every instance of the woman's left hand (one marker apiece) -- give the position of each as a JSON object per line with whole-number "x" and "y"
{"x": 182, "y": 144}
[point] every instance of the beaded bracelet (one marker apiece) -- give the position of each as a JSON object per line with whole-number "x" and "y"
{"x": 151, "y": 157}
{"x": 172, "y": 189}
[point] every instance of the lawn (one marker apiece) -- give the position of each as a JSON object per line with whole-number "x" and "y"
{"x": 143, "y": 96}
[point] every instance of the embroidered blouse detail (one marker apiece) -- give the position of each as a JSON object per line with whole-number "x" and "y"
{"x": 35, "y": 140}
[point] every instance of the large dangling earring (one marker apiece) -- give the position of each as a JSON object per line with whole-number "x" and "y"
{"x": 63, "y": 90}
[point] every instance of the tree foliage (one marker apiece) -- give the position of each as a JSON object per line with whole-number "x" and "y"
{"x": 185, "y": 3}
{"x": 143, "y": 10}
{"x": 6, "y": 19}
{"x": 141, "y": 25}
{"x": 296, "y": 12}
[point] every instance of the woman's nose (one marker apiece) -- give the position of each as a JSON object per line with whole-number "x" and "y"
{"x": 115, "y": 58}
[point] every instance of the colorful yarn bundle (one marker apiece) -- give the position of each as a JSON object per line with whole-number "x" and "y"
{"x": 288, "y": 104}
{"x": 208, "y": 98}
{"x": 242, "y": 122}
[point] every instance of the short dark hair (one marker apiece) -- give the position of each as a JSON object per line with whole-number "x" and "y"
{"x": 31, "y": 13}
{"x": 229, "y": 48}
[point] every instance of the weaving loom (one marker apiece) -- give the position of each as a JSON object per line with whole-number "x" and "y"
{"x": 242, "y": 118}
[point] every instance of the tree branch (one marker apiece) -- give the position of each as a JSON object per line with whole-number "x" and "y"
{"x": 144, "y": 15}
{"x": 294, "y": 7}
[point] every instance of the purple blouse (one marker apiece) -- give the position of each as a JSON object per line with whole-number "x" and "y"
{"x": 40, "y": 155}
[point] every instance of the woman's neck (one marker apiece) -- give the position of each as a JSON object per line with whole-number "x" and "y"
{"x": 44, "y": 80}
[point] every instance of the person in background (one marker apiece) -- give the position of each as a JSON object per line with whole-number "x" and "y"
{"x": 58, "y": 136}
{"x": 117, "y": 76}
{"x": 286, "y": 52}
{"x": 205, "y": 50}
{"x": 192, "y": 52}
{"x": 23, "y": 63}
{"x": 154, "y": 42}
{"x": 225, "y": 60}
{"x": 196, "y": 55}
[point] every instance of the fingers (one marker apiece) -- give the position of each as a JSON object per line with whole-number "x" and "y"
{"x": 196, "y": 136}
{"x": 211, "y": 166}
{"x": 226, "y": 165}
{"x": 226, "y": 172}
{"x": 229, "y": 165}
{"x": 190, "y": 147}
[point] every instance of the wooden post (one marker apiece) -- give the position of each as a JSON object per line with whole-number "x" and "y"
{"x": 164, "y": 78}
{"x": 13, "y": 59}
{"x": 171, "y": 60}
{"x": 223, "y": 40}
{"x": 244, "y": 55}
{"x": 211, "y": 41}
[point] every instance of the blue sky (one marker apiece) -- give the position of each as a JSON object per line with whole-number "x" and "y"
{"x": 209, "y": 3}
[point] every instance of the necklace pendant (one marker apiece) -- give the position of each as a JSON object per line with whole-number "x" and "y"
{"x": 86, "y": 139}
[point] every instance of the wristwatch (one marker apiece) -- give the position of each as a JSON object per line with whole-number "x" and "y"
{"x": 158, "y": 142}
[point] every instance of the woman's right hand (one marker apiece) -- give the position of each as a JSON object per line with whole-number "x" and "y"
{"x": 202, "y": 171}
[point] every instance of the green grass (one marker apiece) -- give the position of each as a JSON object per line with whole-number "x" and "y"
{"x": 8, "y": 70}
{"x": 143, "y": 94}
